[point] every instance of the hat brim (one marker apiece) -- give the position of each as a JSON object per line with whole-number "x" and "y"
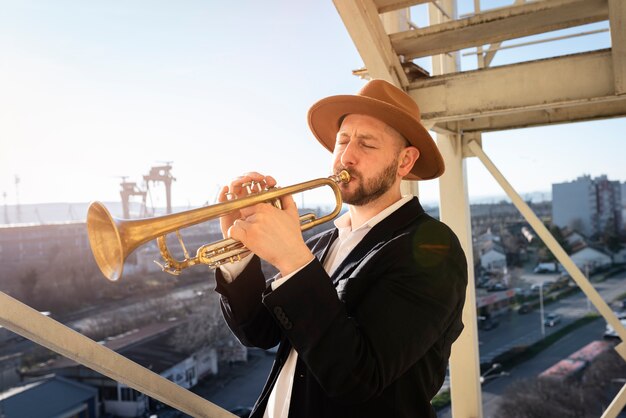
{"x": 325, "y": 115}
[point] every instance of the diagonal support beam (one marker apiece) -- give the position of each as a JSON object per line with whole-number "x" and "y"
{"x": 498, "y": 25}
{"x": 551, "y": 243}
{"x": 27, "y": 322}
{"x": 363, "y": 22}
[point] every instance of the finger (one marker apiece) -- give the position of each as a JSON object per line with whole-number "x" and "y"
{"x": 267, "y": 181}
{"x": 253, "y": 175}
{"x": 221, "y": 197}
{"x": 238, "y": 230}
{"x": 249, "y": 211}
{"x": 289, "y": 204}
{"x": 235, "y": 185}
{"x": 270, "y": 181}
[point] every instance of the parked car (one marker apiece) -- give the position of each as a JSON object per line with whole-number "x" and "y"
{"x": 542, "y": 268}
{"x": 610, "y": 331}
{"x": 545, "y": 287}
{"x": 497, "y": 287}
{"x": 552, "y": 319}
{"x": 525, "y": 308}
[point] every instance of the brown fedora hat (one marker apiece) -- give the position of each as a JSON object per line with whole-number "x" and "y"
{"x": 386, "y": 102}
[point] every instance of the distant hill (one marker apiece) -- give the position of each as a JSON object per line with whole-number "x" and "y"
{"x": 44, "y": 213}
{"x": 66, "y": 212}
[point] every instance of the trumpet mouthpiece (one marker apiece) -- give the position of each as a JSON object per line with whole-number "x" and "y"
{"x": 342, "y": 177}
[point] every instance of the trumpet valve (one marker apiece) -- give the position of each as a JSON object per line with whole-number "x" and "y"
{"x": 252, "y": 187}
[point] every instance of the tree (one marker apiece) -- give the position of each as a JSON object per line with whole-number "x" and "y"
{"x": 545, "y": 255}
{"x": 610, "y": 238}
{"x": 585, "y": 397}
{"x": 205, "y": 328}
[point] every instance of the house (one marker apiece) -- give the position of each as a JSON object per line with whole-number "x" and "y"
{"x": 494, "y": 304}
{"x": 50, "y": 396}
{"x": 153, "y": 347}
{"x": 575, "y": 240}
{"x": 492, "y": 256}
{"x": 9, "y": 371}
{"x": 591, "y": 258}
{"x": 620, "y": 256}
{"x": 572, "y": 367}
{"x": 487, "y": 237}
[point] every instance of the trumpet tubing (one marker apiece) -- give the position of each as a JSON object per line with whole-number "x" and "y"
{"x": 112, "y": 239}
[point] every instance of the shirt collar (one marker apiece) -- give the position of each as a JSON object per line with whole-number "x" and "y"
{"x": 344, "y": 222}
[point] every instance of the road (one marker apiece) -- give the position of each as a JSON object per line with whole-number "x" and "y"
{"x": 493, "y": 389}
{"x": 516, "y": 330}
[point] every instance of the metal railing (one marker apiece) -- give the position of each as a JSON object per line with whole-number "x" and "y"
{"x": 45, "y": 331}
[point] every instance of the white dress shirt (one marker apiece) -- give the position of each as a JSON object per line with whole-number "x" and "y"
{"x": 347, "y": 240}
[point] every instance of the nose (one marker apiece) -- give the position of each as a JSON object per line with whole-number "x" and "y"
{"x": 349, "y": 156}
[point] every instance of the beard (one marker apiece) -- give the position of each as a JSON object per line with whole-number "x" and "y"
{"x": 370, "y": 189}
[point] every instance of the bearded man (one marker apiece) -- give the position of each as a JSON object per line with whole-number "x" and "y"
{"x": 365, "y": 313}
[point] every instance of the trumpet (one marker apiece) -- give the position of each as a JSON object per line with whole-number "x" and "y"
{"x": 112, "y": 240}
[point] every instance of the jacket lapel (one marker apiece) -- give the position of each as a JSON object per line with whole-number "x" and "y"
{"x": 378, "y": 235}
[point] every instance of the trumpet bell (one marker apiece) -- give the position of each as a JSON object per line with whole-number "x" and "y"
{"x": 105, "y": 241}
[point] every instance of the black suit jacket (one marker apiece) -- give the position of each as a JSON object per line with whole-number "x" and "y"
{"x": 374, "y": 339}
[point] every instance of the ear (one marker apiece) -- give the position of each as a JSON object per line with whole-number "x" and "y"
{"x": 408, "y": 157}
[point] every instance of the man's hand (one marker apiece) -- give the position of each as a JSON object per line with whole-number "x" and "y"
{"x": 271, "y": 233}
{"x": 236, "y": 191}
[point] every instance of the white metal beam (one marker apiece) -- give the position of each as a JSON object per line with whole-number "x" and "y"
{"x": 617, "y": 20}
{"x": 495, "y": 26}
{"x": 45, "y": 331}
{"x": 583, "y": 110}
{"x": 465, "y": 390}
{"x": 485, "y": 59}
{"x": 364, "y": 25}
{"x": 530, "y": 86}
{"x": 391, "y": 5}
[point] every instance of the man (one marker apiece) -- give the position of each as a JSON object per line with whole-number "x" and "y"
{"x": 365, "y": 313}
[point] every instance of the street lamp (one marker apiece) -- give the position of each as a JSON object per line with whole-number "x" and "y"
{"x": 488, "y": 374}
{"x": 494, "y": 367}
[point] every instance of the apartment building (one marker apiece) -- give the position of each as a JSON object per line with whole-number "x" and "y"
{"x": 588, "y": 205}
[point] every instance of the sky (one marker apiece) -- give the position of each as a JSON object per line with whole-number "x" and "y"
{"x": 92, "y": 91}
